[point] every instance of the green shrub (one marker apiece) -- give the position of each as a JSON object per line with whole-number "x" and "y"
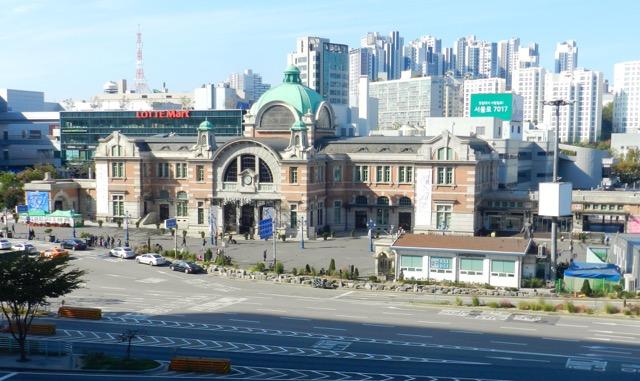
{"x": 493, "y": 304}
{"x": 294, "y": 271}
{"x": 526, "y": 306}
{"x": 332, "y": 266}
{"x": 259, "y": 267}
{"x": 611, "y": 309}
{"x": 458, "y": 301}
{"x": 373, "y": 278}
{"x": 586, "y": 288}
{"x": 279, "y": 267}
{"x": 307, "y": 269}
{"x": 589, "y": 310}
{"x": 548, "y": 307}
{"x": 532, "y": 283}
{"x": 208, "y": 255}
{"x": 356, "y": 273}
{"x": 475, "y": 301}
{"x": 571, "y": 308}
{"x": 100, "y": 222}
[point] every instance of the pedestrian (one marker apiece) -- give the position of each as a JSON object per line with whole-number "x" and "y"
{"x": 113, "y": 241}
{"x": 204, "y": 242}
{"x": 264, "y": 255}
{"x": 184, "y": 240}
{"x": 13, "y": 228}
{"x": 119, "y": 242}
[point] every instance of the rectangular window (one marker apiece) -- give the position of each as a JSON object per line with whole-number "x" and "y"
{"x": 200, "y": 213}
{"x": 405, "y": 175}
{"x": 471, "y": 266}
{"x": 181, "y": 170}
{"x": 199, "y": 172}
{"x": 440, "y": 264}
{"x": 163, "y": 170}
{"x": 117, "y": 170}
{"x": 312, "y": 174}
{"x": 503, "y": 268}
{"x": 337, "y": 212}
{"x": 411, "y": 263}
{"x": 117, "y": 204}
{"x": 445, "y": 176}
{"x": 382, "y": 216}
{"x": 337, "y": 174}
{"x": 293, "y": 215}
{"x": 383, "y": 174}
{"x": 387, "y": 174}
{"x": 182, "y": 208}
{"x": 320, "y": 213}
{"x": 293, "y": 175}
{"x": 361, "y": 174}
{"x": 443, "y": 217}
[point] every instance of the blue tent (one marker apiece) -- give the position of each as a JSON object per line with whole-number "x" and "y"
{"x": 601, "y": 276}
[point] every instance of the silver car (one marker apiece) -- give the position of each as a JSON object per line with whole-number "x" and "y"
{"x": 23, "y": 246}
{"x": 122, "y": 252}
{"x": 5, "y": 244}
{"x": 151, "y": 259}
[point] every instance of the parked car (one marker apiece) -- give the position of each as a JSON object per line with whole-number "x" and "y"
{"x": 74, "y": 244}
{"x": 186, "y": 267}
{"x": 151, "y": 259}
{"x": 5, "y": 244}
{"x": 55, "y": 253}
{"x": 122, "y": 252}
{"x": 23, "y": 246}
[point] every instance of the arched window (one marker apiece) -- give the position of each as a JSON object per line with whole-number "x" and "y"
{"x": 116, "y": 150}
{"x": 265, "y": 175}
{"x": 277, "y": 117}
{"x": 324, "y": 119}
{"x": 182, "y": 201}
{"x": 361, "y": 200}
{"x": 404, "y": 201}
{"x": 247, "y": 162}
{"x": 383, "y": 200}
{"x": 231, "y": 173}
{"x": 445, "y": 153}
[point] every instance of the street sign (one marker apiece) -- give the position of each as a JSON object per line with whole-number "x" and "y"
{"x": 265, "y": 228}
{"x": 22, "y": 209}
{"x": 269, "y": 212}
{"x": 495, "y": 105}
{"x": 170, "y": 223}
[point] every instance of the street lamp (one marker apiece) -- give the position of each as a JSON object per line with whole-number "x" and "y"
{"x": 554, "y": 220}
{"x": 302, "y": 232}
{"x": 371, "y": 225}
{"x": 73, "y": 224}
{"x": 126, "y": 229}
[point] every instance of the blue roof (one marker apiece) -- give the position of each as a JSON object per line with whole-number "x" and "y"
{"x": 606, "y": 271}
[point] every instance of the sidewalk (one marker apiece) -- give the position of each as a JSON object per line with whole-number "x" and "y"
{"x": 9, "y": 361}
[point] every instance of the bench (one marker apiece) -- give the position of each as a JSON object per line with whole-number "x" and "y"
{"x": 200, "y": 365}
{"x": 80, "y": 313}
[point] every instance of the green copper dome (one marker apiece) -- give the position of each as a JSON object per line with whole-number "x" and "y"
{"x": 205, "y": 126}
{"x": 291, "y": 92}
{"x": 298, "y": 126}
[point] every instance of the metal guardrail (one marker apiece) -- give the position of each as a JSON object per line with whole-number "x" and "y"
{"x": 36, "y": 347}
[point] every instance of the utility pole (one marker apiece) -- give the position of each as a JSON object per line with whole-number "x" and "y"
{"x": 302, "y": 232}
{"x": 554, "y": 219}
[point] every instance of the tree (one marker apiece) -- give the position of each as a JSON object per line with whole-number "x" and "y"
{"x": 26, "y": 284}
{"x": 628, "y": 167}
{"x": 607, "y": 122}
{"x": 332, "y": 266}
{"x": 586, "y": 288}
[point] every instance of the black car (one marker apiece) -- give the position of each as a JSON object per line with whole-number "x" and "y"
{"x": 186, "y": 267}
{"x": 74, "y": 244}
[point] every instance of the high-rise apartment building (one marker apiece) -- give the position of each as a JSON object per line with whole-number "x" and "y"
{"x": 529, "y": 83}
{"x": 424, "y": 56}
{"x": 388, "y": 60}
{"x": 324, "y": 67}
{"x": 248, "y": 85}
{"x": 508, "y": 58}
{"x": 626, "y": 101}
{"x": 459, "y": 58}
{"x": 481, "y": 86}
{"x": 360, "y": 64}
{"x": 407, "y": 100}
{"x": 528, "y": 56}
{"x": 566, "y": 56}
{"x": 580, "y": 121}
{"x": 487, "y": 59}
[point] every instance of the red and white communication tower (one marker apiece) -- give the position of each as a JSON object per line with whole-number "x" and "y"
{"x": 140, "y": 83}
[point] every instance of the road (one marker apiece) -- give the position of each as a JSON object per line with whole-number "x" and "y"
{"x": 282, "y": 331}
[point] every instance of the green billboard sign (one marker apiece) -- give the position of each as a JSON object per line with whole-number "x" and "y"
{"x": 492, "y": 105}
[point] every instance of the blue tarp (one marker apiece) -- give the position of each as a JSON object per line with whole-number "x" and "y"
{"x": 606, "y": 271}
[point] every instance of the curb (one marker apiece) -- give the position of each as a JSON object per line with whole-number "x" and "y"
{"x": 162, "y": 366}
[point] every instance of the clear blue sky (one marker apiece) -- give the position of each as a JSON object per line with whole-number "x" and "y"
{"x": 70, "y": 48}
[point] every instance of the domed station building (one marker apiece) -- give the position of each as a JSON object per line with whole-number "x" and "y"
{"x": 291, "y": 159}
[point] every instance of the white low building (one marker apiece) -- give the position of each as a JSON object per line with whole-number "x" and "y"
{"x": 482, "y": 260}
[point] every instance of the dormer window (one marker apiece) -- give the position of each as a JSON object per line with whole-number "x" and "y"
{"x": 117, "y": 150}
{"x": 445, "y": 153}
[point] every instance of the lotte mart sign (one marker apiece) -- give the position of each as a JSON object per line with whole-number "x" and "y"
{"x": 163, "y": 114}
{"x": 492, "y": 105}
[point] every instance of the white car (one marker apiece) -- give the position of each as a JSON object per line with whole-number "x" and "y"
{"x": 23, "y": 246}
{"x": 151, "y": 259}
{"x": 122, "y": 252}
{"x": 5, "y": 244}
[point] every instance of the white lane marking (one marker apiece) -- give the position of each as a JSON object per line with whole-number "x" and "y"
{"x": 341, "y": 295}
{"x": 559, "y": 339}
{"x": 112, "y": 288}
{"x": 599, "y": 338}
{"x": 619, "y": 333}
{"x": 412, "y": 335}
{"x": 507, "y": 343}
{"x": 333, "y": 329}
{"x": 616, "y": 324}
{"x": 613, "y": 352}
{"x": 8, "y": 376}
{"x": 270, "y": 310}
{"x": 378, "y": 325}
{"x": 516, "y": 359}
{"x": 519, "y": 328}
{"x": 245, "y": 321}
{"x": 352, "y": 317}
{"x": 434, "y": 322}
{"x": 595, "y": 347}
{"x": 294, "y": 318}
{"x": 470, "y": 332}
{"x": 397, "y": 313}
{"x": 253, "y": 303}
{"x": 583, "y": 364}
{"x": 291, "y": 296}
{"x": 321, "y": 308}
{"x": 571, "y": 325}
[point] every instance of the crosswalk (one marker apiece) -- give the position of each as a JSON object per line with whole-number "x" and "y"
{"x": 494, "y": 315}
